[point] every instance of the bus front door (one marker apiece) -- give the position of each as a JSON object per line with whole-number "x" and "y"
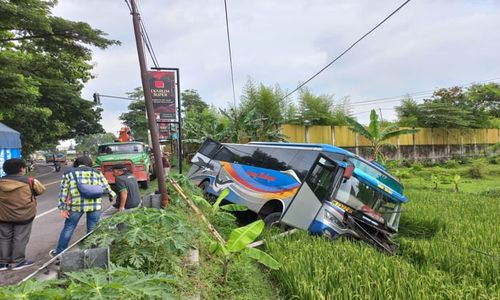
{"x": 315, "y": 188}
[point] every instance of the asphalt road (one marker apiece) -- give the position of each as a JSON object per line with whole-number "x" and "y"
{"x": 46, "y": 226}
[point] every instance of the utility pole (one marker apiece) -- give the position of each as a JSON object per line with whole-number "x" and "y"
{"x": 149, "y": 107}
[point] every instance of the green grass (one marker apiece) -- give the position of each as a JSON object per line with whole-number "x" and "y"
{"x": 449, "y": 248}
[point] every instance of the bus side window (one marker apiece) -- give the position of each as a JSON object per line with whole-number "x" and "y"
{"x": 208, "y": 149}
{"x": 225, "y": 155}
{"x": 302, "y": 162}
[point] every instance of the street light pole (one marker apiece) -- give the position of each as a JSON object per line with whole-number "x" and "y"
{"x": 149, "y": 107}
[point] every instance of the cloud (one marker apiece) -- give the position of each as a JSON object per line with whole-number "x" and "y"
{"x": 428, "y": 44}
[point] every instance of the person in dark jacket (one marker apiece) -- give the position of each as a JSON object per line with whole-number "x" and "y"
{"x": 17, "y": 212}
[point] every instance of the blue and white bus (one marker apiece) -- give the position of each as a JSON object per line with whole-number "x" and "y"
{"x": 316, "y": 187}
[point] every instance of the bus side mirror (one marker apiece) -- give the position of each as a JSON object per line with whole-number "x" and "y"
{"x": 348, "y": 171}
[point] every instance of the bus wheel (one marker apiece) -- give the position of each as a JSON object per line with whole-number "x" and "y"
{"x": 205, "y": 185}
{"x": 273, "y": 220}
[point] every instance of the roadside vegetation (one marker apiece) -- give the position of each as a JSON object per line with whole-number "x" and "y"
{"x": 150, "y": 254}
{"x": 448, "y": 249}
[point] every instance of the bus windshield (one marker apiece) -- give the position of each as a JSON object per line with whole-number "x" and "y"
{"x": 369, "y": 201}
{"x": 377, "y": 174}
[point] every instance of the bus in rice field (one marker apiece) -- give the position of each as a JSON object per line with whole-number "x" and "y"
{"x": 316, "y": 187}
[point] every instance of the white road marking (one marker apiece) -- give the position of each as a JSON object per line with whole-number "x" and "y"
{"x": 50, "y": 210}
{"x": 45, "y": 174}
{"x": 45, "y": 213}
{"x": 51, "y": 183}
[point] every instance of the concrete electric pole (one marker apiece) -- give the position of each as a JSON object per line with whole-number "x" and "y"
{"x": 149, "y": 107}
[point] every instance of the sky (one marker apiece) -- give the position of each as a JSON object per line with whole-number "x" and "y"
{"x": 427, "y": 45}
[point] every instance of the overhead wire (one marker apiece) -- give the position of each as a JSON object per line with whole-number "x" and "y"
{"x": 421, "y": 93}
{"x": 145, "y": 36}
{"x": 346, "y": 50}
{"x": 147, "y": 41}
{"x": 230, "y": 52}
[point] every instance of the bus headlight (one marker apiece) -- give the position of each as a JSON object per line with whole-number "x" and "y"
{"x": 330, "y": 217}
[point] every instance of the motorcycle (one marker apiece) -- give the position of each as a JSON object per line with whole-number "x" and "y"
{"x": 57, "y": 166}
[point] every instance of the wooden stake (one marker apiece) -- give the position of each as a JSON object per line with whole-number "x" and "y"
{"x": 196, "y": 210}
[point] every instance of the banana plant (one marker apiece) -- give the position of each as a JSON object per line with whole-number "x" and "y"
{"x": 237, "y": 245}
{"x": 435, "y": 180}
{"x": 216, "y": 206}
{"x": 456, "y": 181}
{"x": 227, "y": 207}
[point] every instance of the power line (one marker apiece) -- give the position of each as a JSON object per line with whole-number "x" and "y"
{"x": 347, "y": 50}
{"x": 145, "y": 37}
{"x": 147, "y": 41}
{"x": 421, "y": 93}
{"x": 230, "y": 52}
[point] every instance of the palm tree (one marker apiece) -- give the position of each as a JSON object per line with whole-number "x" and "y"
{"x": 377, "y": 136}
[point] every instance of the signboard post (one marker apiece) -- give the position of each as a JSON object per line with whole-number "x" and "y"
{"x": 165, "y": 83}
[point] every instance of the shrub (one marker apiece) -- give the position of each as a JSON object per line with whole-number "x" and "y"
{"x": 491, "y": 192}
{"x": 150, "y": 240}
{"x": 407, "y": 163}
{"x": 417, "y": 166}
{"x": 493, "y": 160}
{"x": 392, "y": 164}
{"x": 452, "y": 164}
{"x": 476, "y": 171}
{"x": 428, "y": 162}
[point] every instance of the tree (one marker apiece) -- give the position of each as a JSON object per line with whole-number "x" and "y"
{"x": 135, "y": 118}
{"x": 262, "y": 107}
{"x": 485, "y": 97}
{"x": 409, "y": 113}
{"x": 191, "y": 100}
{"x": 321, "y": 110}
{"x": 378, "y": 136}
{"x": 443, "y": 115}
{"x": 198, "y": 126}
{"x": 44, "y": 62}
{"x": 89, "y": 142}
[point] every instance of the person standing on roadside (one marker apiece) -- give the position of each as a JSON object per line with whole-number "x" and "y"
{"x": 17, "y": 212}
{"x": 165, "y": 159}
{"x": 73, "y": 205}
{"x": 127, "y": 191}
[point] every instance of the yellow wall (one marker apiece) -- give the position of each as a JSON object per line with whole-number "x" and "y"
{"x": 320, "y": 134}
{"x": 405, "y": 139}
{"x": 344, "y": 137}
{"x": 294, "y": 133}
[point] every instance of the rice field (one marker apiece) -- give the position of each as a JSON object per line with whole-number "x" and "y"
{"x": 449, "y": 248}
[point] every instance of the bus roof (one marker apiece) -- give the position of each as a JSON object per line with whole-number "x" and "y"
{"x": 324, "y": 147}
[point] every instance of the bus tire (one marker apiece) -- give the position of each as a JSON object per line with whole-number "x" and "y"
{"x": 273, "y": 220}
{"x": 205, "y": 185}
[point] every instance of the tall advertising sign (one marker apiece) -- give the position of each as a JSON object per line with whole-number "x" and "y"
{"x": 164, "y": 131}
{"x": 163, "y": 95}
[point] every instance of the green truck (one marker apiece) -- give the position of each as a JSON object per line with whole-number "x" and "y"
{"x": 136, "y": 156}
